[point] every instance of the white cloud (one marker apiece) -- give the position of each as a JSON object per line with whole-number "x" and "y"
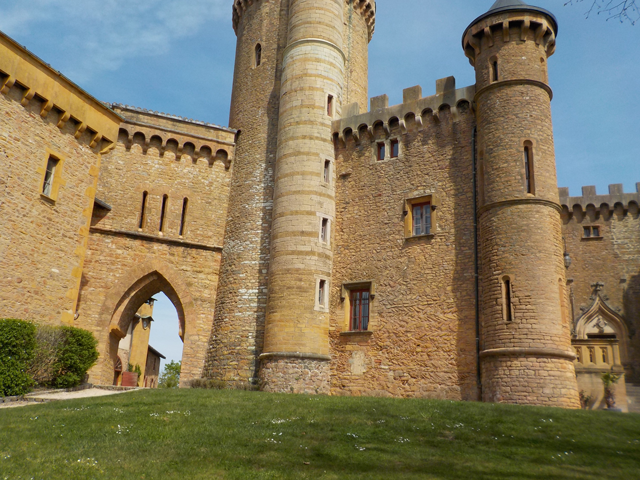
{"x": 99, "y": 35}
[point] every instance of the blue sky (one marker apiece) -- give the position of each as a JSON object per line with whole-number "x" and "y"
{"x": 177, "y": 56}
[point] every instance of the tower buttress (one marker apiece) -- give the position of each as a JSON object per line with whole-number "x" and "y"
{"x": 526, "y": 354}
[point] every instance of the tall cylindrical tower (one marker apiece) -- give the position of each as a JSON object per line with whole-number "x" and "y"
{"x": 238, "y": 330}
{"x": 296, "y": 349}
{"x": 526, "y": 354}
{"x": 359, "y": 24}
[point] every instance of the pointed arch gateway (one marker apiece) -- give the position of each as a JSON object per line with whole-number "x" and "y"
{"x": 125, "y": 298}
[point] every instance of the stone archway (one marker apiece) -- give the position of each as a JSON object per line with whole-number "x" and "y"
{"x": 125, "y": 298}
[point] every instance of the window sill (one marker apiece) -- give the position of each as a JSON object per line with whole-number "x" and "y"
{"x": 354, "y": 333}
{"x": 47, "y": 199}
{"x": 592, "y": 238}
{"x": 417, "y": 237}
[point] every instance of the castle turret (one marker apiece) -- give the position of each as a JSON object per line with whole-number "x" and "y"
{"x": 526, "y": 353}
{"x": 296, "y": 350}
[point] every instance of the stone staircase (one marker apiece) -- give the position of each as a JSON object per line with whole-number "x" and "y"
{"x": 633, "y": 397}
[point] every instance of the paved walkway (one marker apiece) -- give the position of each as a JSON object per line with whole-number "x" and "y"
{"x": 56, "y": 396}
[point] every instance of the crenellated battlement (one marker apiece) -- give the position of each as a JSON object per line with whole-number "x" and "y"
{"x": 367, "y": 9}
{"x": 511, "y": 24}
{"x": 199, "y": 140}
{"x": 590, "y": 199}
{"x": 414, "y": 107}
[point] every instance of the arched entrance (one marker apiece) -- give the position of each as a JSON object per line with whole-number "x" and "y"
{"x": 124, "y": 300}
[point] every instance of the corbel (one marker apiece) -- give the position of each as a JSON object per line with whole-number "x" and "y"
{"x": 403, "y": 126}
{"x": 179, "y": 152}
{"x": 356, "y": 136}
{"x": 370, "y": 132}
{"x": 80, "y": 129}
{"x": 385, "y": 127}
{"x": 488, "y": 36}
{"x": 7, "y": 84}
{"x": 97, "y": 138}
{"x": 64, "y": 118}
{"x": 27, "y": 97}
{"x": 419, "y": 121}
{"x": 46, "y": 108}
{"x": 145, "y": 146}
{"x": 540, "y": 33}
{"x": 109, "y": 148}
{"x": 524, "y": 30}
{"x": 506, "y": 34}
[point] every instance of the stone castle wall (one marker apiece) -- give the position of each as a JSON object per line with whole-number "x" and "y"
{"x": 421, "y": 338}
{"x": 127, "y": 264}
{"x": 43, "y": 238}
{"x": 613, "y": 258}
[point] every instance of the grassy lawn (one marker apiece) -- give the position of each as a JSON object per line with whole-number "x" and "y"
{"x": 200, "y": 434}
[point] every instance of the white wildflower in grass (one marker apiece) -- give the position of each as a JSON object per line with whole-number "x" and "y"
{"x": 272, "y": 440}
{"x": 123, "y": 429}
{"x": 402, "y": 440}
{"x": 380, "y": 421}
{"x": 352, "y": 435}
{"x": 154, "y": 415}
{"x": 362, "y": 449}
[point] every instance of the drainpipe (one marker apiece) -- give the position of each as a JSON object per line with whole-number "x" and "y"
{"x": 476, "y": 261}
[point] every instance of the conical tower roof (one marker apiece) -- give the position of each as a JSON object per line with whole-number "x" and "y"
{"x": 501, "y": 6}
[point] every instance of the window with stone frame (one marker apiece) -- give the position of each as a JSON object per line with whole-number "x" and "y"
{"x": 49, "y": 175}
{"x": 359, "y": 304}
{"x": 420, "y": 216}
{"x": 394, "y": 147}
{"x": 592, "y": 231}
{"x": 381, "y": 151}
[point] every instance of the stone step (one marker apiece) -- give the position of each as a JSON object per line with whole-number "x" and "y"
{"x": 633, "y": 397}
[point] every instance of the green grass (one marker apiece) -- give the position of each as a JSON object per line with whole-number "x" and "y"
{"x": 204, "y": 434}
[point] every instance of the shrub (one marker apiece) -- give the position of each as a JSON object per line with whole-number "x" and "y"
{"x": 77, "y": 354}
{"x": 49, "y": 340}
{"x": 17, "y": 345}
{"x": 208, "y": 384}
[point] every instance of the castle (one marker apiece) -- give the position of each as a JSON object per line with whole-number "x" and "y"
{"x": 323, "y": 244}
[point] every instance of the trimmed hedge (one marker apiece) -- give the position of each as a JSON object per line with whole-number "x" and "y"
{"x": 48, "y": 356}
{"x": 17, "y": 349}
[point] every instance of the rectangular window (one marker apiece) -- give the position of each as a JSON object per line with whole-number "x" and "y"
{"x": 506, "y": 300}
{"x": 49, "y": 176}
{"x": 422, "y": 219}
{"x": 494, "y": 67}
{"x": 330, "y": 105}
{"x": 163, "y": 212}
{"x": 322, "y": 287}
{"x": 359, "y": 316}
{"x": 591, "y": 232}
{"x": 381, "y": 151}
{"x": 327, "y": 171}
{"x": 395, "y": 148}
{"x": 324, "y": 231}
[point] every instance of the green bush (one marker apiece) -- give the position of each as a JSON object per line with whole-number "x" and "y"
{"x": 48, "y": 343}
{"x": 17, "y": 347}
{"x": 170, "y": 376}
{"x": 77, "y": 354}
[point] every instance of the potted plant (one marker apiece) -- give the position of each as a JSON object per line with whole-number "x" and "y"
{"x": 609, "y": 379}
{"x": 131, "y": 376}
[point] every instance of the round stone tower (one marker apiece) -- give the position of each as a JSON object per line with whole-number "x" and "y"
{"x": 238, "y": 328}
{"x": 297, "y": 63}
{"x": 296, "y": 348}
{"x": 526, "y": 354}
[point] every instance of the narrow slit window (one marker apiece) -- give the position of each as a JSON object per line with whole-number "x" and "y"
{"x": 143, "y": 209}
{"x": 494, "y": 68}
{"x": 395, "y": 148}
{"x": 258, "y": 55}
{"x": 330, "y": 105}
{"x": 592, "y": 355}
{"x": 506, "y": 291}
{"x": 183, "y": 218}
{"x": 528, "y": 169}
{"x": 359, "y": 315}
{"x": 421, "y": 219}
{"x": 49, "y": 176}
{"x": 604, "y": 355}
{"x": 324, "y": 231}
{"x": 381, "y": 151}
{"x": 163, "y": 211}
{"x": 579, "y": 355}
{"x": 322, "y": 287}
{"x": 327, "y": 171}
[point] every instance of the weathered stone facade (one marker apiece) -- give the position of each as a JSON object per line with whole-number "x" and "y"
{"x": 415, "y": 250}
